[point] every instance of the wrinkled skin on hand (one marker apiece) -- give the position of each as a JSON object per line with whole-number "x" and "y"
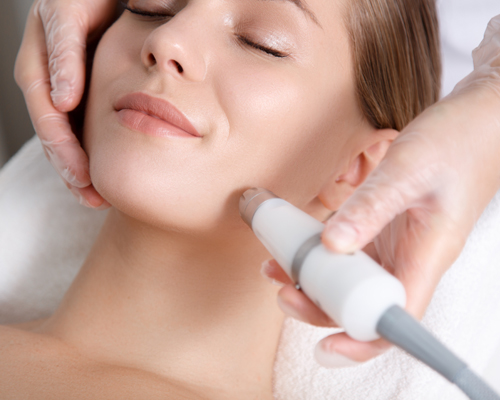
{"x": 416, "y": 210}
{"x": 50, "y": 70}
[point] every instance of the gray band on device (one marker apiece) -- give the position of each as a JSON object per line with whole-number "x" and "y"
{"x": 301, "y": 254}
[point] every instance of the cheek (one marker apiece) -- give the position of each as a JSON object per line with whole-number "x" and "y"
{"x": 113, "y": 59}
{"x": 284, "y": 132}
{"x": 290, "y": 124}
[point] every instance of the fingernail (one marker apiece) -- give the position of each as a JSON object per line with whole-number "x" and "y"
{"x": 97, "y": 204}
{"x": 331, "y": 359}
{"x": 104, "y": 206}
{"x": 343, "y": 235}
{"x": 60, "y": 92}
{"x": 265, "y": 269}
{"x": 80, "y": 198}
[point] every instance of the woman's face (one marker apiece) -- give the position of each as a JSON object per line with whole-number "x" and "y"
{"x": 266, "y": 84}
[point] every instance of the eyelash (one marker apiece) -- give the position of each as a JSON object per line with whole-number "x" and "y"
{"x": 147, "y": 13}
{"x": 264, "y": 49}
{"x": 242, "y": 39}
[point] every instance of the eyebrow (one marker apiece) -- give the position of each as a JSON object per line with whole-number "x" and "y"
{"x": 305, "y": 8}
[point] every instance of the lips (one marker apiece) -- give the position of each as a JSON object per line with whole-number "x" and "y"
{"x": 153, "y": 116}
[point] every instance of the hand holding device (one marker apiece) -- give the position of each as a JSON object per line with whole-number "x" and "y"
{"x": 352, "y": 289}
{"x": 421, "y": 203}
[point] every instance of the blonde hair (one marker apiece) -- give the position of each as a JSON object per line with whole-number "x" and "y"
{"x": 396, "y": 51}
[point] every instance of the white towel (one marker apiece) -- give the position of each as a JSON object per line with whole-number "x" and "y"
{"x": 45, "y": 235}
{"x": 464, "y": 314}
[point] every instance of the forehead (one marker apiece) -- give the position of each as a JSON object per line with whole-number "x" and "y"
{"x": 320, "y": 12}
{"x": 304, "y": 7}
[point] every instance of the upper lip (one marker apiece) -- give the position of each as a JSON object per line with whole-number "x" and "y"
{"x": 158, "y": 108}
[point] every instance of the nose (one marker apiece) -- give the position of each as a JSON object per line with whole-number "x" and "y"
{"x": 174, "y": 48}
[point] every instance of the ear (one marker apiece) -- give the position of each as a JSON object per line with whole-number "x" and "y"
{"x": 340, "y": 186}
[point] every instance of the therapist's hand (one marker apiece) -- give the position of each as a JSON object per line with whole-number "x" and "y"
{"x": 420, "y": 204}
{"x": 50, "y": 70}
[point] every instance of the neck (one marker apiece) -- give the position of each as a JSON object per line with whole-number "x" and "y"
{"x": 191, "y": 308}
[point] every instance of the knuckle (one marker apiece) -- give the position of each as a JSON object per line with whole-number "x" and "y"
{"x": 51, "y": 125}
{"x": 24, "y": 74}
{"x": 27, "y": 79}
{"x": 55, "y": 144}
{"x": 52, "y": 117}
{"x": 35, "y": 83}
{"x": 19, "y": 76}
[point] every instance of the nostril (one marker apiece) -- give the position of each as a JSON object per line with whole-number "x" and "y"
{"x": 179, "y": 67}
{"x": 152, "y": 59}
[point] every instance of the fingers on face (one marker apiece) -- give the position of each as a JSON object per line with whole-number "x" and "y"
{"x": 52, "y": 126}
{"x": 66, "y": 29}
{"x": 60, "y": 144}
{"x": 53, "y": 51}
{"x": 89, "y": 197}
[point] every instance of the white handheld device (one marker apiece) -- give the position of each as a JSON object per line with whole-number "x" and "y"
{"x": 352, "y": 289}
{"x": 355, "y": 291}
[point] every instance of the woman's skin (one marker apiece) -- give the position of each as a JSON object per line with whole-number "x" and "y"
{"x": 171, "y": 291}
{"x": 49, "y": 70}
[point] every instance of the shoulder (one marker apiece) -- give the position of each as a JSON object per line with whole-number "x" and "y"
{"x": 28, "y": 359}
{"x": 36, "y": 366}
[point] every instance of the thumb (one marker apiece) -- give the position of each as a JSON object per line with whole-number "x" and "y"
{"x": 66, "y": 28}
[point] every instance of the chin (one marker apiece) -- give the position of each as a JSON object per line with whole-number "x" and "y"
{"x": 166, "y": 204}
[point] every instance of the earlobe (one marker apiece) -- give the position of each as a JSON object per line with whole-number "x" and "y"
{"x": 339, "y": 187}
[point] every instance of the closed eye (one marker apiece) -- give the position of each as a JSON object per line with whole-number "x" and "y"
{"x": 242, "y": 39}
{"x": 257, "y": 46}
{"x": 149, "y": 14}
